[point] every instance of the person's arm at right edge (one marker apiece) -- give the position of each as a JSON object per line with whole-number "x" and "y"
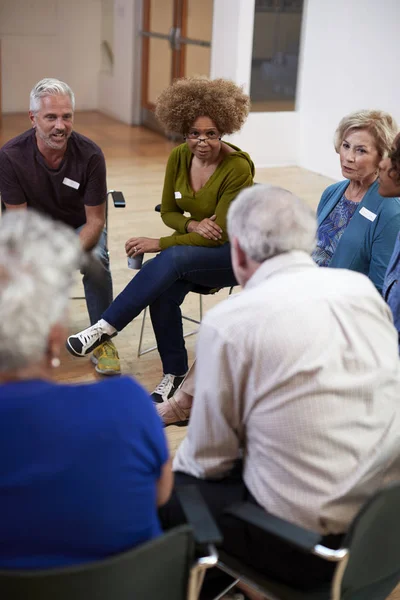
{"x": 11, "y": 192}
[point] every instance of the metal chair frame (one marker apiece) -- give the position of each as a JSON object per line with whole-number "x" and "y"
{"x": 141, "y": 352}
{"x": 376, "y": 522}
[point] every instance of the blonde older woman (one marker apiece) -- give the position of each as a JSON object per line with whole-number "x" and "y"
{"x": 357, "y": 227}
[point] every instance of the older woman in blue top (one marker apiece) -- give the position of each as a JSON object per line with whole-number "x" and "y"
{"x": 82, "y": 467}
{"x": 389, "y": 185}
{"x": 357, "y": 227}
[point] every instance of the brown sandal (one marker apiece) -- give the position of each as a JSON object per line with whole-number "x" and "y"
{"x": 177, "y": 416}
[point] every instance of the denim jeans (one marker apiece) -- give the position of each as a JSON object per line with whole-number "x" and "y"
{"x": 98, "y": 290}
{"x": 162, "y": 284}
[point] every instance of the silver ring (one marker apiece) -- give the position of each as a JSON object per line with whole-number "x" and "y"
{"x": 134, "y": 249}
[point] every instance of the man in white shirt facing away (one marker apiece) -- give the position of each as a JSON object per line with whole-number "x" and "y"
{"x": 298, "y": 378}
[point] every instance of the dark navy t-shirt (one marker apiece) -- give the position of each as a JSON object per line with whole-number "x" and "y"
{"x": 60, "y": 193}
{"x": 78, "y": 471}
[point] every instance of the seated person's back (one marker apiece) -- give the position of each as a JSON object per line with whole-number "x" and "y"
{"x": 78, "y": 479}
{"x": 83, "y": 467}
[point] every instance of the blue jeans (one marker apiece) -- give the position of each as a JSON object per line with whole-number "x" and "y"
{"x": 98, "y": 289}
{"x": 162, "y": 284}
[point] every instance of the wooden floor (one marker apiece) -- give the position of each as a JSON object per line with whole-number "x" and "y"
{"x": 136, "y": 159}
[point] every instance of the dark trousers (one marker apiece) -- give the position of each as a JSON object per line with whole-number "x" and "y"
{"x": 98, "y": 288}
{"x": 162, "y": 284}
{"x": 253, "y": 547}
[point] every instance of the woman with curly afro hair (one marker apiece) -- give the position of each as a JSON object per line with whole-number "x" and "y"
{"x": 389, "y": 186}
{"x": 203, "y": 176}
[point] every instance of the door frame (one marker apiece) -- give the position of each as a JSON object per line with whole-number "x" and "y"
{"x": 178, "y": 44}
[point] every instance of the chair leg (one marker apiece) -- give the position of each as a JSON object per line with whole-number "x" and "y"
{"x": 141, "y": 352}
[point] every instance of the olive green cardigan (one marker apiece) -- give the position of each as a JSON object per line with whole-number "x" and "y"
{"x": 234, "y": 173}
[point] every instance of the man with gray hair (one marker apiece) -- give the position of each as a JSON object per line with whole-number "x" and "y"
{"x": 62, "y": 173}
{"x": 298, "y": 376}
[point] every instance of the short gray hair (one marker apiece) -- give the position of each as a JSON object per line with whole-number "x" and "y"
{"x": 49, "y": 87}
{"x": 38, "y": 257}
{"x": 268, "y": 221}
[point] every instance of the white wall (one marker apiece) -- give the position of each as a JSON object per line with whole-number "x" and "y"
{"x": 270, "y": 138}
{"x": 350, "y": 60}
{"x": 119, "y": 91}
{"x": 50, "y": 38}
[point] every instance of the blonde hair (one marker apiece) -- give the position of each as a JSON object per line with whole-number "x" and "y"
{"x": 378, "y": 123}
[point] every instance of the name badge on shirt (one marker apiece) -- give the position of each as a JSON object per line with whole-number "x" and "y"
{"x": 71, "y": 183}
{"x": 178, "y": 195}
{"x": 367, "y": 214}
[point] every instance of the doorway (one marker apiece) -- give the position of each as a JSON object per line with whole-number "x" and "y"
{"x": 176, "y": 42}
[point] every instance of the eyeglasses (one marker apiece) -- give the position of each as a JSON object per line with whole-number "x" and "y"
{"x": 211, "y": 136}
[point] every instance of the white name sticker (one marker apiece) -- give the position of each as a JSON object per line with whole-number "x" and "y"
{"x": 71, "y": 183}
{"x": 178, "y": 195}
{"x": 367, "y": 214}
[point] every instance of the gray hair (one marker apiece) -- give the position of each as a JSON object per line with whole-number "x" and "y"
{"x": 268, "y": 221}
{"x": 38, "y": 257}
{"x": 49, "y": 87}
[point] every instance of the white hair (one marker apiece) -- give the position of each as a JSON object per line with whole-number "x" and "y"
{"x": 37, "y": 259}
{"x": 268, "y": 221}
{"x": 49, "y": 87}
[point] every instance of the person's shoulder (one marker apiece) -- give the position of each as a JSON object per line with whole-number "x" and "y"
{"x": 116, "y": 398}
{"x": 180, "y": 152}
{"x": 238, "y": 161}
{"x": 84, "y": 144}
{"x": 334, "y": 188}
{"x": 390, "y": 207}
{"x": 121, "y": 385}
{"x": 16, "y": 144}
{"x": 224, "y": 313}
{"x": 116, "y": 388}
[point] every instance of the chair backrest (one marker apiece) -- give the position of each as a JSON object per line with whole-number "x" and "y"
{"x": 157, "y": 569}
{"x": 373, "y": 540}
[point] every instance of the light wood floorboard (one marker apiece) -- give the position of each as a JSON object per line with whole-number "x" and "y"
{"x": 136, "y": 160}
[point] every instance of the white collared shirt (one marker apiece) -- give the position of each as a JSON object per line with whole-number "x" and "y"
{"x": 301, "y": 373}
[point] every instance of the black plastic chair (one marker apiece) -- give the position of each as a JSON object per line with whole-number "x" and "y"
{"x": 368, "y": 562}
{"x": 162, "y": 568}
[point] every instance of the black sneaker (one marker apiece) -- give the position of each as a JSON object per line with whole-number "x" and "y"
{"x": 167, "y": 387}
{"x": 86, "y": 341}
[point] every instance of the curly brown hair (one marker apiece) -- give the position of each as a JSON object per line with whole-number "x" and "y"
{"x": 186, "y": 99}
{"x": 394, "y": 156}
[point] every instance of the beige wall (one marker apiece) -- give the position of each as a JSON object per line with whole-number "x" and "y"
{"x": 50, "y": 38}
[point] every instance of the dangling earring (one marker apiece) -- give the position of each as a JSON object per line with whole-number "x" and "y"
{"x": 55, "y": 362}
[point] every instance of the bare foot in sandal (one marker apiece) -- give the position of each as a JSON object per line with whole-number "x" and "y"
{"x": 176, "y": 410}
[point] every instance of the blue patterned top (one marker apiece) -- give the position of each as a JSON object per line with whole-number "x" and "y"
{"x": 331, "y": 230}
